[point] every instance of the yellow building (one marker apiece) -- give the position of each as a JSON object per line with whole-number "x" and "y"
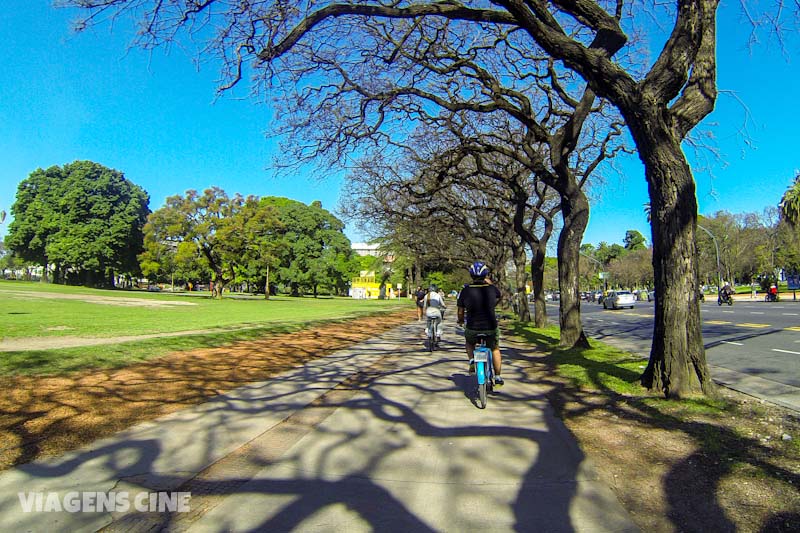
{"x": 365, "y": 286}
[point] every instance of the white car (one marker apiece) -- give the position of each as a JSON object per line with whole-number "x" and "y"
{"x": 617, "y": 299}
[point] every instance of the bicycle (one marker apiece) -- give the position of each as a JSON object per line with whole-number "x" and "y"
{"x": 430, "y": 332}
{"x": 484, "y": 369}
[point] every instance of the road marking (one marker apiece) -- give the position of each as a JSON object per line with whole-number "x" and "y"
{"x": 756, "y": 312}
{"x": 789, "y": 314}
{"x": 785, "y": 351}
{"x": 718, "y": 322}
{"x": 751, "y": 325}
{"x": 729, "y": 312}
{"x": 793, "y": 328}
{"x": 731, "y": 342}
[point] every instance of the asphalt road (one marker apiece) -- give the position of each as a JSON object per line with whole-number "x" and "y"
{"x": 757, "y": 341}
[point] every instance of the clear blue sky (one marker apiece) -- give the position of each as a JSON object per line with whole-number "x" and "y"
{"x": 67, "y": 96}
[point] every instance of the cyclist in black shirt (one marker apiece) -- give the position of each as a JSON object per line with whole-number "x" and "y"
{"x": 478, "y": 300}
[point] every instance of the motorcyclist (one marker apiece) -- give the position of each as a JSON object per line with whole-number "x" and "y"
{"x": 726, "y": 292}
{"x": 773, "y": 293}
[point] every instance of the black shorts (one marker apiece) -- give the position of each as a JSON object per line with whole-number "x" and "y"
{"x": 493, "y": 341}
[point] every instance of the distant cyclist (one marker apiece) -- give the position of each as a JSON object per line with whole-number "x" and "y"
{"x": 433, "y": 307}
{"x": 477, "y": 300}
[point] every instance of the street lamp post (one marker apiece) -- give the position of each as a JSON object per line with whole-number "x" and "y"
{"x": 716, "y": 247}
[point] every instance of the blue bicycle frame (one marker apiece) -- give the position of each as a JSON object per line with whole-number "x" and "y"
{"x": 484, "y": 369}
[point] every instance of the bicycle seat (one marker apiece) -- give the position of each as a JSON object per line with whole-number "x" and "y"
{"x": 482, "y": 338}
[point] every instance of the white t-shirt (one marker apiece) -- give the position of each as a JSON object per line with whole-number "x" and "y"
{"x": 433, "y": 305}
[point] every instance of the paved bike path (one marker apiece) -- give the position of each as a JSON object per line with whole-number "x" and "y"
{"x": 400, "y": 448}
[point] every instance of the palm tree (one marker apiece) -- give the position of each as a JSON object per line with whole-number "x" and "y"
{"x": 790, "y": 203}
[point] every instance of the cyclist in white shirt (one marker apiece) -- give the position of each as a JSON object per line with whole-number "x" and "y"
{"x": 433, "y": 306}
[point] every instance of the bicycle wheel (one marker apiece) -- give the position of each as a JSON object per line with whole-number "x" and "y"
{"x": 431, "y": 335}
{"x": 482, "y": 395}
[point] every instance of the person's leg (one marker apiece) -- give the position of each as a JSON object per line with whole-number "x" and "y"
{"x": 497, "y": 361}
{"x": 470, "y": 351}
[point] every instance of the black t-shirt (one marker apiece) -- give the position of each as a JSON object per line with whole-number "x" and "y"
{"x": 479, "y": 300}
{"x": 420, "y": 296}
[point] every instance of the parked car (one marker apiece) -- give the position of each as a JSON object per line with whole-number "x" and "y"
{"x": 617, "y": 299}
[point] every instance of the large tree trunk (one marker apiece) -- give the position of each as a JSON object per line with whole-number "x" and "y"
{"x": 575, "y": 211}
{"x": 219, "y": 285}
{"x": 537, "y": 281}
{"x": 677, "y": 365}
{"x": 266, "y": 285}
{"x": 521, "y": 295}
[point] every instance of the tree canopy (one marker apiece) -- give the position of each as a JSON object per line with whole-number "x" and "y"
{"x": 84, "y": 218}
{"x": 314, "y": 251}
{"x": 260, "y": 241}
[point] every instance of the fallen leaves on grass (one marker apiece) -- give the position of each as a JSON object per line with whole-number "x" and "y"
{"x": 46, "y": 416}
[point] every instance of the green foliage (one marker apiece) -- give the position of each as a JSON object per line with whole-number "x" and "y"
{"x": 634, "y": 240}
{"x": 258, "y": 241}
{"x": 251, "y": 236}
{"x": 196, "y": 226}
{"x": 81, "y": 217}
{"x": 436, "y": 278}
{"x": 787, "y": 253}
{"x": 314, "y": 252}
{"x": 605, "y": 253}
{"x": 790, "y": 203}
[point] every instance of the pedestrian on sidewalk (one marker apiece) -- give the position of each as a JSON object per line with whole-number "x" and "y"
{"x": 419, "y": 294}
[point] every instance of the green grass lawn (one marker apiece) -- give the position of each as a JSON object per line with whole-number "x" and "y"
{"x": 25, "y": 315}
{"x": 600, "y": 367}
{"x": 223, "y": 321}
{"x": 609, "y": 370}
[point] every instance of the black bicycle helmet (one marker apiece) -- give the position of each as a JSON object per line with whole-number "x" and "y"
{"x": 478, "y": 269}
